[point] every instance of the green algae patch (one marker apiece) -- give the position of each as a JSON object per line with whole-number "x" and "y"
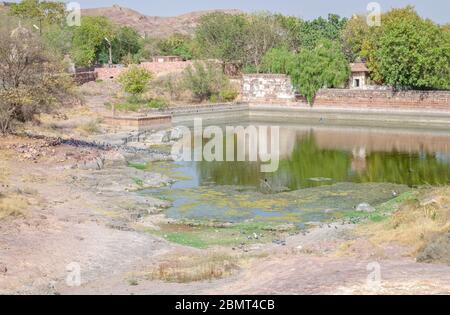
{"x": 205, "y": 234}
{"x": 384, "y": 210}
{"x": 317, "y": 204}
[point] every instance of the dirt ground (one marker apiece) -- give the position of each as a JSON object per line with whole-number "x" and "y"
{"x": 76, "y": 218}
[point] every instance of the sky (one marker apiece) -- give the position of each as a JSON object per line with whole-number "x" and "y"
{"x": 437, "y": 10}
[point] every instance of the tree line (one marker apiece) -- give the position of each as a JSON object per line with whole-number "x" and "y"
{"x": 405, "y": 51}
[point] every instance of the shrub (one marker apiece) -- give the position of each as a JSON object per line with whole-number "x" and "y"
{"x": 228, "y": 94}
{"x": 204, "y": 80}
{"x": 158, "y": 103}
{"x": 135, "y": 80}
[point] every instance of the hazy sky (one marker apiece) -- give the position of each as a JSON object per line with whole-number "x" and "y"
{"x": 438, "y": 10}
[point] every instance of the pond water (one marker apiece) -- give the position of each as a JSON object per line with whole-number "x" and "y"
{"x": 323, "y": 172}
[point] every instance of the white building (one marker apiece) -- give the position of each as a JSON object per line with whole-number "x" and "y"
{"x": 359, "y": 78}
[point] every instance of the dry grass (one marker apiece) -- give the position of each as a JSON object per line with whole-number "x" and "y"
{"x": 195, "y": 267}
{"x": 12, "y": 205}
{"x": 91, "y": 127}
{"x": 416, "y": 223}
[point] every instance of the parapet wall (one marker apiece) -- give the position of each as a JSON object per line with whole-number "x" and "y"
{"x": 157, "y": 68}
{"x": 368, "y": 99}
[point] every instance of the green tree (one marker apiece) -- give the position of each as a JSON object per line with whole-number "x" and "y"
{"x": 126, "y": 44}
{"x": 89, "y": 39}
{"x": 58, "y": 39}
{"x": 277, "y": 60}
{"x": 44, "y": 12}
{"x": 313, "y": 32}
{"x": 325, "y": 66}
{"x": 292, "y": 27}
{"x": 135, "y": 80}
{"x": 355, "y": 32}
{"x": 220, "y": 36}
{"x": 412, "y": 52}
{"x": 176, "y": 45}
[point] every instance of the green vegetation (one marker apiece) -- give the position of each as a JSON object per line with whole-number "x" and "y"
{"x": 406, "y": 51}
{"x": 90, "y": 41}
{"x": 412, "y": 52}
{"x": 176, "y": 45}
{"x": 206, "y": 234}
{"x": 206, "y": 82}
{"x": 384, "y": 210}
{"x": 135, "y": 80}
{"x": 324, "y": 66}
{"x": 221, "y": 36}
{"x": 44, "y": 13}
{"x": 278, "y": 60}
{"x": 314, "y": 32}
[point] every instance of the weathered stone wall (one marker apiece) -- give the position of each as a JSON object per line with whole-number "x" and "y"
{"x": 367, "y": 99}
{"x": 267, "y": 88}
{"x": 84, "y": 77}
{"x": 157, "y": 68}
{"x": 139, "y": 123}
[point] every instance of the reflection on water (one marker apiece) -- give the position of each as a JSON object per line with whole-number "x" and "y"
{"x": 312, "y": 157}
{"x": 323, "y": 173}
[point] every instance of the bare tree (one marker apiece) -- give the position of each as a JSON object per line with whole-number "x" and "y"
{"x": 31, "y": 80}
{"x": 263, "y": 32}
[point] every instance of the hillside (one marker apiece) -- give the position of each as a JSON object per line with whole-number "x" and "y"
{"x": 152, "y": 26}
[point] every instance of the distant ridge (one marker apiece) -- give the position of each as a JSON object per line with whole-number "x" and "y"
{"x": 152, "y": 26}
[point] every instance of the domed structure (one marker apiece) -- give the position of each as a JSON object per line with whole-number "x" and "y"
{"x": 20, "y": 32}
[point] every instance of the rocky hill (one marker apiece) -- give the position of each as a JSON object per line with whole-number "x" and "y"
{"x": 152, "y": 26}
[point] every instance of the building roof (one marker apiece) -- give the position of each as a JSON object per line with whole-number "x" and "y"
{"x": 358, "y": 67}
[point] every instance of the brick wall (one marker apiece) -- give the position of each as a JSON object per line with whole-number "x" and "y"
{"x": 267, "y": 88}
{"x": 157, "y": 68}
{"x": 433, "y": 100}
